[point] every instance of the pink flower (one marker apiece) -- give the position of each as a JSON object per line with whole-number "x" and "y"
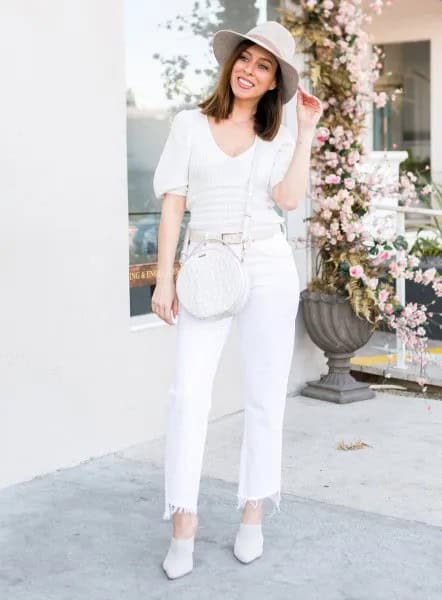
{"x": 333, "y": 179}
{"x": 380, "y": 99}
{"x": 322, "y": 135}
{"x": 372, "y": 283}
{"x": 418, "y": 276}
{"x": 353, "y": 157}
{"x": 317, "y": 230}
{"x": 389, "y": 308}
{"x": 428, "y": 275}
{"x": 383, "y": 296}
{"x": 437, "y": 287}
{"x": 395, "y": 269}
{"x": 356, "y": 271}
{"x": 413, "y": 261}
{"x": 349, "y": 183}
{"x": 383, "y": 256}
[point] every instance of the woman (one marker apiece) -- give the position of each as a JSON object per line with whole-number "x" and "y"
{"x": 206, "y": 162}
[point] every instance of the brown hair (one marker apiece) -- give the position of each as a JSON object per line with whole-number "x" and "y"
{"x": 219, "y": 104}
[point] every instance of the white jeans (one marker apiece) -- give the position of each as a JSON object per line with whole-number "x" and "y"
{"x": 266, "y": 327}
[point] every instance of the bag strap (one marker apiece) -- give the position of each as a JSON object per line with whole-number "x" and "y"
{"x": 248, "y": 203}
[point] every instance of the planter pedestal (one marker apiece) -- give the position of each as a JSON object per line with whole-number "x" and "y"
{"x": 338, "y": 385}
{"x": 333, "y": 327}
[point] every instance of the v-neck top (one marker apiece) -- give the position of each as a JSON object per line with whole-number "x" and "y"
{"x": 249, "y": 149}
{"x": 215, "y": 183}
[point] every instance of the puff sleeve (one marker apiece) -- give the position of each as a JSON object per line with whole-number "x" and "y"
{"x": 283, "y": 157}
{"x": 171, "y": 173}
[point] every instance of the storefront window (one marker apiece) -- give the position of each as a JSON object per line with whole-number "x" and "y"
{"x": 405, "y": 123}
{"x": 169, "y": 66}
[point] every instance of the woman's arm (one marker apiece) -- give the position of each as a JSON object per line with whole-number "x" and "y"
{"x": 164, "y": 299}
{"x": 172, "y": 213}
{"x": 290, "y": 192}
{"x": 170, "y": 185}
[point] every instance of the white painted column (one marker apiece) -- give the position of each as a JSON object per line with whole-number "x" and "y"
{"x": 436, "y": 103}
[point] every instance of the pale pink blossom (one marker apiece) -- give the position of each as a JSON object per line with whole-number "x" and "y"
{"x": 382, "y": 257}
{"x": 322, "y": 134}
{"x": 418, "y": 278}
{"x": 437, "y": 287}
{"x": 353, "y": 157}
{"x": 333, "y": 179}
{"x": 356, "y": 271}
{"x": 372, "y": 283}
{"x": 389, "y": 308}
{"x": 428, "y": 275}
{"x": 334, "y": 227}
{"x": 383, "y": 295}
{"x": 317, "y": 230}
{"x": 413, "y": 261}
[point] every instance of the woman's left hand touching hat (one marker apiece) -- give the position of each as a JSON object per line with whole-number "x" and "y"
{"x": 309, "y": 109}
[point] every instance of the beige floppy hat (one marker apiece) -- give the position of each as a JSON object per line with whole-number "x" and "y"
{"x": 269, "y": 35}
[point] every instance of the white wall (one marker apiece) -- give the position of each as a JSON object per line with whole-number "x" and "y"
{"x": 75, "y": 380}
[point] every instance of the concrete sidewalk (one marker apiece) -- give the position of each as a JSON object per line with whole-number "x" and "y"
{"x": 354, "y": 525}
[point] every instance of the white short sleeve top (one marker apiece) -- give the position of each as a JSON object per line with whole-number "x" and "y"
{"x": 214, "y": 183}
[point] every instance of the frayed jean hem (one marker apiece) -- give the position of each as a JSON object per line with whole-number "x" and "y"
{"x": 171, "y": 509}
{"x": 275, "y": 498}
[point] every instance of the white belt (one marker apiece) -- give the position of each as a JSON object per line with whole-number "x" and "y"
{"x": 196, "y": 235}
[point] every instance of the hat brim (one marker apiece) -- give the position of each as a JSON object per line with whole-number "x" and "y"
{"x": 224, "y": 43}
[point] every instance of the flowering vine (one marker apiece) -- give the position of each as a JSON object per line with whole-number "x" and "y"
{"x": 353, "y": 259}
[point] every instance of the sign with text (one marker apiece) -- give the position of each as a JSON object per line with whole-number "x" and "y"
{"x": 146, "y": 274}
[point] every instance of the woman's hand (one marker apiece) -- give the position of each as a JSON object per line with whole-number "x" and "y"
{"x": 309, "y": 109}
{"x": 165, "y": 300}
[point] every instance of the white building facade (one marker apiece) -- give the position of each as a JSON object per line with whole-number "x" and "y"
{"x": 85, "y": 365}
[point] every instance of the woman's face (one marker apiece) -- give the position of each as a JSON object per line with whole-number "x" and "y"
{"x": 253, "y": 73}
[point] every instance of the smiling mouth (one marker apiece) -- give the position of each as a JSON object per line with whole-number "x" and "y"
{"x": 245, "y": 83}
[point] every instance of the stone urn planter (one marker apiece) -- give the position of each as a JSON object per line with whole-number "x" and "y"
{"x": 334, "y": 328}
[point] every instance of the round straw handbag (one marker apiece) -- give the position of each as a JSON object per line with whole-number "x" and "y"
{"x": 213, "y": 281}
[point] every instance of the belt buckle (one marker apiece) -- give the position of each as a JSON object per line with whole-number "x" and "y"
{"x": 223, "y": 235}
